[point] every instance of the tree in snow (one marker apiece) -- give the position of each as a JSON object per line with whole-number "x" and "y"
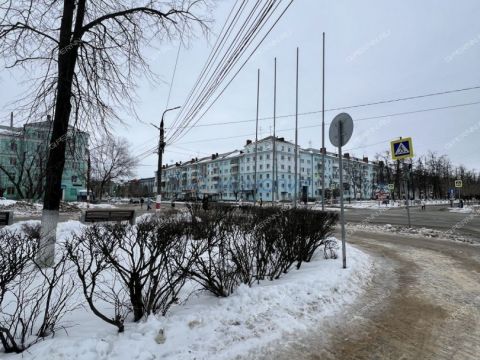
{"x": 84, "y": 58}
{"x": 111, "y": 161}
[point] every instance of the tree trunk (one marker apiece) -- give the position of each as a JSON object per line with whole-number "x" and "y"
{"x": 67, "y": 56}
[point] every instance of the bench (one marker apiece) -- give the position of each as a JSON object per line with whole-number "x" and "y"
{"x": 6, "y": 218}
{"x": 107, "y": 215}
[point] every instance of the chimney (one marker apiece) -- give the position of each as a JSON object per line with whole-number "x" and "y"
{"x": 346, "y": 156}
{"x": 213, "y": 156}
{"x": 11, "y": 120}
{"x": 365, "y": 159}
{"x": 249, "y": 142}
{"x": 281, "y": 139}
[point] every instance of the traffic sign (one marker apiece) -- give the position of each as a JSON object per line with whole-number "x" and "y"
{"x": 340, "y": 132}
{"x": 391, "y": 186}
{"x": 451, "y": 193}
{"x": 344, "y": 122}
{"x": 458, "y": 183}
{"x": 402, "y": 149}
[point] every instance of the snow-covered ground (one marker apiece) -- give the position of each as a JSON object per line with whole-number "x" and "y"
{"x": 21, "y": 208}
{"x": 375, "y": 204}
{"x": 83, "y": 205}
{"x": 466, "y": 209}
{"x": 6, "y": 202}
{"x": 206, "y": 327}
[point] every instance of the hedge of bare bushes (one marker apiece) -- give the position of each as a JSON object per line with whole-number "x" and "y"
{"x": 128, "y": 272}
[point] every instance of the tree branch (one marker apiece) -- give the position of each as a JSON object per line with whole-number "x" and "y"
{"x": 125, "y": 13}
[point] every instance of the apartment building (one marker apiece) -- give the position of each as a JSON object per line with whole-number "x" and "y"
{"x": 23, "y": 159}
{"x": 233, "y": 175}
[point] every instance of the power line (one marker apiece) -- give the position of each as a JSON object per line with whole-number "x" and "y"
{"x": 361, "y": 119}
{"x": 341, "y": 108}
{"x": 222, "y": 70}
{"x": 174, "y": 69}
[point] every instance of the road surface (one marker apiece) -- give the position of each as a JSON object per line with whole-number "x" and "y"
{"x": 423, "y": 303}
{"x": 434, "y": 217}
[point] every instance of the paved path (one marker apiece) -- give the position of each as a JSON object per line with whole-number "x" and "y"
{"x": 423, "y": 304}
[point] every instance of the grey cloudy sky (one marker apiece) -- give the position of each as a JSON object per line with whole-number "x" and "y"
{"x": 376, "y": 50}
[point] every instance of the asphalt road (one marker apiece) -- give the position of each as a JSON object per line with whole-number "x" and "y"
{"x": 434, "y": 217}
{"x": 422, "y": 303}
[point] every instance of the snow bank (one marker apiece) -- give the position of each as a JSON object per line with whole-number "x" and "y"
{"x": 83, "y": 205}
{"x": 6, "y": 202}
{"x": 466, "y": 209}
{"x": 206, "y": 327}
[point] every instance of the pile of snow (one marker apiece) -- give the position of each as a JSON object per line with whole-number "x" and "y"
{"x": 318, "y": 207}
{"x": 6, "y": 202}
{"x": 206, "y": 327}
{"x": 21, "y": 208}
{"x": 371, "y": 204}
{"x": 83, "y": 205}
{"x": 466, "y": 209}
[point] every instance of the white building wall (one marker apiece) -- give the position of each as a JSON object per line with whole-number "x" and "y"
{"x": 231, "y": 176}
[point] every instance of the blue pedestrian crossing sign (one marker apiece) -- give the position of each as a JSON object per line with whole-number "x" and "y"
{"x": 402, "y": 149}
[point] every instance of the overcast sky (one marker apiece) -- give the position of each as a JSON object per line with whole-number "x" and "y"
{"x": 376, "y": 50}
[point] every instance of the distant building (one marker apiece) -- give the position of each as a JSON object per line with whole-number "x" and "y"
{"x": 231, "y": 175}
{"x": 147, "y": 186}
{"x": 24, "y": 155}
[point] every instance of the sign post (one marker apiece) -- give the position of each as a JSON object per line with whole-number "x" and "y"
{"x": 459, "y": 185}
{"x": 403, "y": 149}
{"x": 340, "y": 132}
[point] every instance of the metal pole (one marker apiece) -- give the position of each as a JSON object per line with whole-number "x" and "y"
{"x": 296, "y": 138}
{"x": 407, "y": 195}
{"x": 274, "y": 160}
{"x": 161, "y": 148}
{"x": 89, "y": 169}
{"x": 161, "y": 144}
{"x": 323, "y": 126}
{"x": 342, "y": 218}
{"x": 256, "y": 140}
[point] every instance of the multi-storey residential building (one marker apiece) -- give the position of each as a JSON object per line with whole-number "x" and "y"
{"x": 23, "y": 158}
{"x": 232, "y": 175}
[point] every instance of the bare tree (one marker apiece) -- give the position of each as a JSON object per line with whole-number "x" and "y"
{"x": 85, "y": 56}
{"x": 111, "y": 160}
{"x": 27, "y": 172}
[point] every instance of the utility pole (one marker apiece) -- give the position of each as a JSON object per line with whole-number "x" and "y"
{"x": 256, "y": 141}
{"x": 161, "y": 148}
{"x": 274, "y": 160}
{"x": 89, "y": 169}
{"x": 296, "y": 137}
{"x": 323, "y": 126}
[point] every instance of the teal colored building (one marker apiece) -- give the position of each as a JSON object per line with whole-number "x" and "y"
{"x": 23, "y": 160}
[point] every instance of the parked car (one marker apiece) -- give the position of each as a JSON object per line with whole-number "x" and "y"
{"x": 134, "y": 201}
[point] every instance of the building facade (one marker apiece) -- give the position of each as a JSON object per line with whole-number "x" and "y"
{"x": 23, "y": 160}
{"x": 232, "y": 175}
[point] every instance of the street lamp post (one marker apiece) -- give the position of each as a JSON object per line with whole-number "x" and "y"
{"x": 161, "y": 148}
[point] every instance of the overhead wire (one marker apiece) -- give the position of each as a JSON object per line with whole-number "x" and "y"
{"x": 356, "y": 120}
{"x": 254, "y": 28}
{"x": 339, "y": 108}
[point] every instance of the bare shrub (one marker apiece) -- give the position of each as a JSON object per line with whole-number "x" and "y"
{"x": 33, "y": 300}
{"x": 137, "y": 269}
{"x": 330, "y": 249}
